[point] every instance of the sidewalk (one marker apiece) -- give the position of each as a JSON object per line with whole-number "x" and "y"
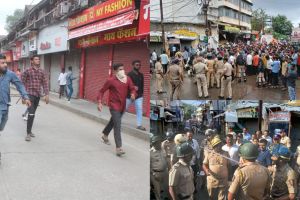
{"x": 89, "y": 110}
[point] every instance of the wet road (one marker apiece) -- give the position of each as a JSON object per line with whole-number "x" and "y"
{"x": 243, "y": 90}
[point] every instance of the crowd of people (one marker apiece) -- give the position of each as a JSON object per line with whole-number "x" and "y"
{"x": 246, "y": 166}
{"x": 276, "y": 65}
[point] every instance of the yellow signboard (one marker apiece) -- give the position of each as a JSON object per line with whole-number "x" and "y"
{"x": 232, "y": 29}
{"x": 186, "y": 33}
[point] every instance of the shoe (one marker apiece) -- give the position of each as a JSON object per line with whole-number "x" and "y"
{"x": 141, "y": 128}
{"x": 206, "y": 97}
{"x": 28, "y": 138}
{"x": 25, "y": 118}
{"x": 229, "y": 98}
{"x": 32, "y": 135}
{"x": 200, "y": 97}
{"x": 120, "y": 152}
{"x": 105, "y": 140}
{"x": 220, "y": 97}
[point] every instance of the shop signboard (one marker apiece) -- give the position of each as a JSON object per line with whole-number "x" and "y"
{"x": 247, "y": 113}
{"x": 144, "y": 18}
{"x": 25, "y": 49}
{"x": 282, "y": 116}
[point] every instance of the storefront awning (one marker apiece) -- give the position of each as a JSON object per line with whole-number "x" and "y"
{"x": 112, "y": 23}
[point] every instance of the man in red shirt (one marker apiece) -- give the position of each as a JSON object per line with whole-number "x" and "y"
{"x": 255, "y": 63}
{"x": 119, "y": 86}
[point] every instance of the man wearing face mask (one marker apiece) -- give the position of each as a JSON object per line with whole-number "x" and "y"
{"x": 6, "y": 78}
{"x": 138, "y": 80}
{"x": 181, "y": 178}
{"x": 119, "y": 86}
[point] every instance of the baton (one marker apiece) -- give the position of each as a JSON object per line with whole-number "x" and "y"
{"x": 220, "y": 155}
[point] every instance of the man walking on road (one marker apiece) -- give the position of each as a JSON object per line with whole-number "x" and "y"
{"x": 70, "y": 78}
{"x": 175, "y": 77}
{"x": 119, "y": 86}
{"x": 34, "y": 79}
{"x": 138, "y": 80}
{"x": 200, "y": 70}
{"x": 62, "y": 80}
{"x": 226, "y": 80}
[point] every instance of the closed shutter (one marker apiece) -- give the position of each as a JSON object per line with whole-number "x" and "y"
{"x": 96, "y": 71}
{"x": 55, "y": 70}
{"x": 125, "y": 53}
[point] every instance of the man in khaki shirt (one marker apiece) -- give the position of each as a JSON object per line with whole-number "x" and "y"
{"x": 200, "y": 70}
{"x": 219, "y": 70}
{"x": 168, "y": 146}
{"x": 226, "y": 80}
{"x": 175, "y": 77}
{"x": 216, "y": 168}
{"x": 159, "y": 74}
{"x": 251, "y": 181}
{"x": 181, "y": 177}
{"x": 210, "y": 75}
{"x": 158, "y": 168}
{"x": 284, "y": 178}
{"x": 285, "y": 140}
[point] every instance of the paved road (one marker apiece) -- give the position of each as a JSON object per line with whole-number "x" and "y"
{"x": 242, "y": 90}
{"x": 67, "y": 161}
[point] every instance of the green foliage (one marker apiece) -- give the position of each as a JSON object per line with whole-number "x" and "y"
{"x": 11, "y": 20}
{"x": 258, "y": 21}
{"x": 282, "y": 25}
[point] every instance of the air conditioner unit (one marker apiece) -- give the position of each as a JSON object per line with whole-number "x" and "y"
{"x": 65, "y": 7}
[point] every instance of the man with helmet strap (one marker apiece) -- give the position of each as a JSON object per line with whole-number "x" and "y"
{"x": 250, "y": 181}
{"x": 168, "y": 147}
{"x": 284, "y": 178}
{"x": 181, "y": 178}
{"x": 158, "y": 167}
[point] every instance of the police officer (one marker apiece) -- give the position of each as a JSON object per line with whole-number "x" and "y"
{"x": 284, "y": 178}
{"x": 175, "y": 77}
{"x": 179, "y": 139}
{"x": 168, "y": 147}
{"x": 226, "y": 80}
{"x": 211, "y": 70}
{"x": 219, "y": 70}
{"x": 158, "y": 167}
{"x": 181, "y": 178}
{"x": 200, "y": 69}
{"x": 216, "y": 168}
{"x": 251, "y": 181}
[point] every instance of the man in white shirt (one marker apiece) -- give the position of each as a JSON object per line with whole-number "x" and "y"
{"x": 232, "y": 150}
{"x": 62, "y": 81}
{"x": 196, "y": 157}
{"x": 267, "y": 137}
{"x": 249, "y": 62}
{"x": 154, "y": 57}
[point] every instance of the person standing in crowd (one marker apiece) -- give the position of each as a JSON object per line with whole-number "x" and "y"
{"x": 138, "y": 80}
{"x": 210, "y": 75}
{"x": 246, "y": 134}
{"x": 269, "y": 70}
{"x": 34, "y": 79}
{"x": 6, "y": 78}
{"x": 232, "y": 150}
{"x": 70, "y": 78}
{"x": 175, "y": 77}
{"x": 154, "y": 57}
{"x": 296, "y": 61}
{"x": 196, "y": 157}
{"x": 261, "y": 74}
{"x": 285, "y": 140}
{"x": 119, "y": 86}
{"x": 249, "y": 63}
{"x": 264, "y": 156}
{"x": 250, "y": 180}
{"x": 275, "y": 72}
{"x": 284, "y": 178}
{"x": 255, "y": 64}
{"x": 240, "y": 63}
{"x": 62, "y": 81}
{"x": 266, "y": 136}
{"x": 216, "y": 169}
{"x": 284, "y": 73}
{"x": 159, "y": 73}
{"x": 164, "y": 61}
{"x": 239, "y": 139}
{"x": 219, "y": 70}
{"x": 291, "y": 82}
{"x": 185, "y": 55}
{"x": 158, "y": 168}
{"x": 168, "y": 147}
{"x": 200, "y": 70}
{"x": 181, "y": 178}
{"x": 226, "y": 80}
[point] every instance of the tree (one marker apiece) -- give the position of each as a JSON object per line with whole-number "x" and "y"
{"x": 258, "y": 20}
{"x": 11, "y": 20}
{"x": 282, "y": 25}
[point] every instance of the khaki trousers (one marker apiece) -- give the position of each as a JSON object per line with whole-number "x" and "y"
{"x": 202, "y": 84}
{"x": 226, "y": 86}
{"x": 175, "y": 89}
{"x": 218, "y": 77}
{"x": 159, "y": 181}
{"x": 159, "y": 82}
{"x": 216, "y": 193}
{"x": 210, "y": 77}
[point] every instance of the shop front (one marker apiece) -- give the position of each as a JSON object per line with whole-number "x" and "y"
{"x": 111, "y": 36}
{"x": 248, "y": 117}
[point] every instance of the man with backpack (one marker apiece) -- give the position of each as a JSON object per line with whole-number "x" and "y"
{"x": 240, "y": 63}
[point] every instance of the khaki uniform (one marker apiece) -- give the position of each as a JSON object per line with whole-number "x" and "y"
{"x": 159, "y": 173}
{"x": 217, "y": 181}
{"x": 159, "y": 78}
{"x": 286, "y": 141}
{"x": 250, "y": 181}
{"x": 220, "y": 70}
{"x": 169, "y": 149}
{"x": 175, "y": 75}
{"x": 226, "y": 82}
{"x": 181, "y": 177}
{"x": 284, "y": 181}
{"x": 200, "y": 69}
{"x": 210, "y": 75}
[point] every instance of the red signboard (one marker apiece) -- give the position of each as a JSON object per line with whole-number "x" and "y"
{"x": 114, "y": 22}
{"x": 17, "y": 51}
{"x": 281, "y": 116}
{"x": 104, "y": 10}
{"x": 144, "y": 18}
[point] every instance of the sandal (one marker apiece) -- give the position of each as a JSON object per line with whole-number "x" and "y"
{"x": 105, "y": 140}
{"x": 120, "y": 152}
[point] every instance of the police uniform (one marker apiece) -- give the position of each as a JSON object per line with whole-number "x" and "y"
{"x": 210, "y": 75}
{"x": 250, "y": 182}
{"x": 158, "y": 169}
{"x": 284, "y": 181}
{"x": 200, "y": 69}
{"x": 175, "y": 75}
{"x": 226, "y": 80}
{"x": 159, "y": 76}
{"x": 217, "y": 181}
{"x": 181, "y": 177}
{"x": 219, "y": 72}
{"x": 168, "y": 148}
{"x": 286, "y": 141}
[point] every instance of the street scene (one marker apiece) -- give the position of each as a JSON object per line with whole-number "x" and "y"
{"x": 74, "y": 99}
{"x": 236, "y": 49}
{"x": 220, "y": 149}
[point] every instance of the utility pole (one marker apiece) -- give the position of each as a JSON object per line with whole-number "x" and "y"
{"x": 260, "y": 108}
{"x": 162, "y": 25}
